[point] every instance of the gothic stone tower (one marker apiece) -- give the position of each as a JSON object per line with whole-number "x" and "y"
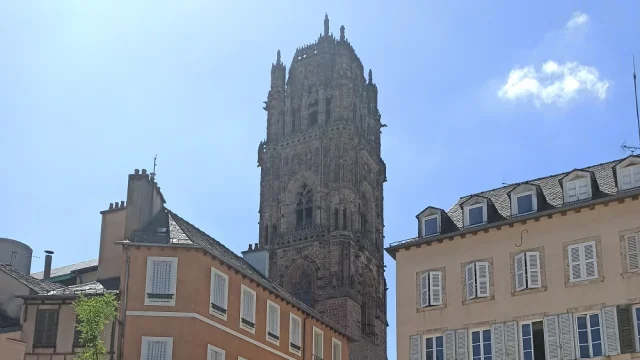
{"x": 321, "y": 189}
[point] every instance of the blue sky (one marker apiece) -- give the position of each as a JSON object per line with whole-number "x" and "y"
{"x": 473, "y": 94}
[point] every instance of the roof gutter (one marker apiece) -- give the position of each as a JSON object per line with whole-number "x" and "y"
{"x": 392, "y": 249}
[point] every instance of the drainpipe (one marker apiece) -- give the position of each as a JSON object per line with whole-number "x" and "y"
{"x": 124, "y": 305}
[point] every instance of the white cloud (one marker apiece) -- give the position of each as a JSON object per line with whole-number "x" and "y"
{"x": 577, "y": 19}
{"x": 554, "y": 83}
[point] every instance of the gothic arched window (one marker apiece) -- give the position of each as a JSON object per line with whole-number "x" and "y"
{"x": 303, "y": 289}
{"x": 363, "y": 216}
{"x": 304, "y": 207}
{"x": 344, "y": 219}
{"x": 335, "y": 219}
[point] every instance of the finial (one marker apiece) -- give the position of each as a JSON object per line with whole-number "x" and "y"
{"x": 342, "y": 33}
{"x": 370, "y": 76}
{"x": 278, "y": 57}
{"x": 326, "y": 24}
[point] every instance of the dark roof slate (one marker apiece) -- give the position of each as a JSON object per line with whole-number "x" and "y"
{"x": 90, "y": 288}
{"x": 37, "y": 285}
{"x": 63, "y": 270}
{"x": 181, "y": 232}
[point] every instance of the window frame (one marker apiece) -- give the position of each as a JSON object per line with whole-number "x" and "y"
{"x": 213, "y": 311}
{"x": 526, "y": 270}
{"x": 244, "y": 326}
{"x": 474, "y": 264}
{"x": 313, "y": 344}
{"x": 467, "y": 210}
{"x": 211, "y": 348}
{"x": 470, "y": 344}
{"x": 335, "y": 342}
{"x": 424, "y": 338}
{"x": 576, "y": 179}
{"x": 424, "y": 225}
{"x": 267, "y": 332}
{"x": 534, "y": 202}
{"x": 43, "y": 345}
{"x": 583, "y": 261}
{"x": 577, "y": 337}
{"x": 520, "y": 340}
{"x": 148, "y": 281}
{"x": 143, "y": 350}
{"x": 291, "y": 349}
{"x": 620, "y": 174}
{"x": 430, "y": 304}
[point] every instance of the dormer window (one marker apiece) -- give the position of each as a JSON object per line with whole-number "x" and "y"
{"x": 628, "y": 173}
{"x": 576, "y": 186}
{"x": 431, "y": 225}
{"x": 524, "y": 199}
{"x": 475, "y": 212}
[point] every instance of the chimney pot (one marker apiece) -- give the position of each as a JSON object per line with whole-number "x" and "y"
{"x": 136, "y": 171}
{"x": 122, "y": 203}
{"x": 144, "y": 171}
{"x": 250, "y": 247}
{"x": 110, "y": 206}
{"x": 256, "y": 246}
{"x": 117, "y": 205}
{"x": 47, "y": 264}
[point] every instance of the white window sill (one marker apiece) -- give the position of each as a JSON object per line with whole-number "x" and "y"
{"x": 218, "y": 314}
{"x": 272, "y": 340}
{"x": 155, "y": 302}
{"x": 294, "y": 351}
{"x": 248, "y": 328}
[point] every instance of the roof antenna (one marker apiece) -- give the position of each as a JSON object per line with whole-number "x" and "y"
{"x": 153, "y": 174}
{"x": 624, "y": 146}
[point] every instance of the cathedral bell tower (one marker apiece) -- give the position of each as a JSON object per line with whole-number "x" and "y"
{"x": 321, "y": 215}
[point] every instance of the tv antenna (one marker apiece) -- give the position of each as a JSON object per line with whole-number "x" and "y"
{"x": 153, "y": 174}
{"x": 624, "y": 146}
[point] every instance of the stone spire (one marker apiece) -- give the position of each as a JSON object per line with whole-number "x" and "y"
{"x": 326, "y": 24}
{"x": 342, "y": 33}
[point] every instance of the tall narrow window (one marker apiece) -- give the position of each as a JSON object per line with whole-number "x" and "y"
{"x": 477, "y": 280}
{"x": 273, "y": 322}
{"x": 481, "y": 345}
{"x": 336, "y": 224}
{"x": 632, "y": 242}
{"x": 317, "y": 343}
{"x": 430, "y": 288}
{"x": 533, "y": 342}
{"x": 303, "y": 289}
{"x": 434, "y": 348}
{"x": 336, "y": 350}
{"x": 46, "y": 329}
{"x": 248, "y": 309}
{"x": 589, "y": 336}
{"x": 583, "y": 262}
{"x": 295, "y": 334}
{"x": 327, "y": 109}
{"x": 304, "y": 207}
{"x": 161, "y": 281}
{"x": 219, "y": 293}
{"x": 527, "y": 270}
{"x": 344, "y": 219}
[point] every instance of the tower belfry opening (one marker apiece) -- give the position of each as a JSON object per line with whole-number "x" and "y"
{"x": 321, "y": 188}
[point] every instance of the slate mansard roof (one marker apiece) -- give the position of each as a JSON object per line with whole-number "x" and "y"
{"x": 550, "y": 192}
{"x": 170, "y": 229}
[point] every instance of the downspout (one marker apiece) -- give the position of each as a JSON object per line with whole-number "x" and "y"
{"x": 124, "y": 305}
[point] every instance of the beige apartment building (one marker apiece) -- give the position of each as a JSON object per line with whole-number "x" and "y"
{"x": 546, "y": 269}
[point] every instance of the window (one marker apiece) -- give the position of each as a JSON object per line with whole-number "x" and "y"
{"x": 477, "y": 280}
{"x": 273, "y": 322}
{"x": 532, "y": 341}
{"x": 46, "y": 330}
{"x": 336, "y": 349}
{"x": 161, "y": 281}
{"x": 156, "y": 348}
{"x": 430, "y": 288}
{"x": 304, "y": 207}
{"x": 632, "y": 243}
{"x": 475, "y": 214}
{"x": 629, "y": 177}
{"x": 248, "y": 309}
{"x": 636, "y": 322}
{"x": 582, "y": 261}
{"x": 577, "y": 189}
{"x": 524, "y": 203}
{"x": 527, "y": 270}
{"x": 317, "y": 343}
{"x": 219, "y": 293}
{"x": 589, "y": 335}
{"x": 295, "y": 334}
{"x": 344, "y": 219}
{"x": 434, "y": 348}
{"x": 481, "y": 344}
{"x": 431, "y": 225}
{"x": 303, "y": 289}
{"x": 214, "y": 353}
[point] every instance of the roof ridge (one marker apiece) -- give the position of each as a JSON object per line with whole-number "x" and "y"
{"x": 544, "y": 177}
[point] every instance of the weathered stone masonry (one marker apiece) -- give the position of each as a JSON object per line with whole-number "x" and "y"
{"x": 321, "y": 183}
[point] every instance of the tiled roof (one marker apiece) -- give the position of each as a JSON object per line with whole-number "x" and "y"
{"x": 552, "y": 196}
{"x": 90, "y": 288}
{"x": 64, "y": 270}
{"x": 181, "y": 232}
{"x": 37, "y": 285}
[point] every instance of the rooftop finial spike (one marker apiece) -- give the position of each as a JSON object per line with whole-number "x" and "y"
{"x": 278, "y": 57}
{"x": 370, "y": 76}
{"x": 342, "y": 33}
{"x": 326, "y": 24}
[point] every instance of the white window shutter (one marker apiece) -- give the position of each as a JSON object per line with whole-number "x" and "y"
{"x": 157, "y": 350}
{"x": 295, "y": 331}
{"x": 219, "y": 290}
{"x": 575, "y": 262}
{"x": 498, "y": 341}
{"x": 520, "y": 272}
{"x": 461, "y": 344}
{"x": 590, "y": 261}
{"x": 511, "y": 340}
{"x": 533, "y": 269}
{"x": 435, "y": 287}
{"x": 609, "y": 323}
{"x": 482, "y": 277}
{"x": 470, "y": 279}
{"x": 424, "y": 290}
{"x": 626, "y": 178}
{"x": 566, "y": 338}
{"x": 252, "y": 307}
{"x": 572, "y": 191}
{"x": 583, "y": 188}
{"x": 636, "y": 176}
{"x": 215, "y": 354}
{"x": 632, "y": 242}
{"x": 551, "y": 337}
{"x": 337, "y": 351}
{"x": 248, "y": 305}
{"x": 161, "y": 277}
{"x": 449, "y": 345}
{"x": 273, "y": 321}
{"x": 415, "y": 351}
